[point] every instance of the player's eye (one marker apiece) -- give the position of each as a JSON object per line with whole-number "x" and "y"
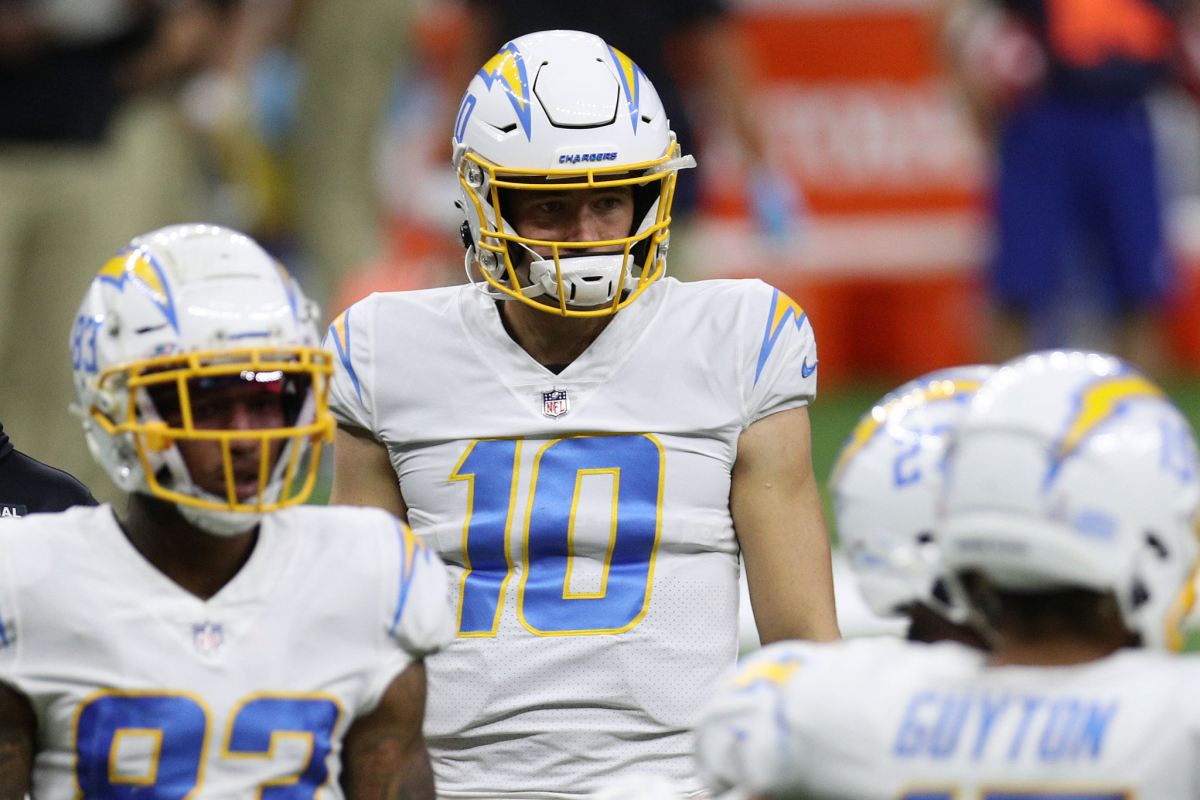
{"x": 264, "y": 405}
{"x": 610, "y": 202}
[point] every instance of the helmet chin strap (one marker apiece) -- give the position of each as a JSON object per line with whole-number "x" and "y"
{"x": 486, "y": 288}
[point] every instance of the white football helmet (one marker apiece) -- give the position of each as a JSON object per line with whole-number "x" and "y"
{"x": 886, "y": 484}
{"x": 563, "y": 110}
{"x": 177, "y": 310}
{"x": 1073, "y": 470}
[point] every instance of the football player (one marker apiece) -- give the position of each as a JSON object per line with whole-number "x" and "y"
{"x": 1069, "y": 524}
{"x": 587, "y": 444}
{"x": 886, "y": 481}
{"x": 218, "y": 639}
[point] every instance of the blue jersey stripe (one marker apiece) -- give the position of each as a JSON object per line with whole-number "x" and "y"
{"x": 341, "y": 342}
{"x": 782, "y": 309}
{"x": 410, "y": 548}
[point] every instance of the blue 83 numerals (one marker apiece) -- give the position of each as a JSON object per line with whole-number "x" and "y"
{"x": 178, "y": 725}
{"x": 545, "y": 604}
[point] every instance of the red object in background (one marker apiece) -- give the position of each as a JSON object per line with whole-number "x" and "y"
{"x": 1183, "y": 310}
{"x": 857, "y": 108}
{"x": 1086, "y": 33}
{"x": 889, "y": 329}
{"x": 858, "y": 44}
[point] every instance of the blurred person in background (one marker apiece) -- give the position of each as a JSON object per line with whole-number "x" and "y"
{"x": 1063, "y": 85}
{"x": 886, "y": 485}
{"x": 92, "y": 150}
{"x": 293, "y": 113}
{"x": 1067, "y": 526}
{"x": 27, "y": 486}
{"x": 653, "y": 33}
{"x": 350, "y": 51}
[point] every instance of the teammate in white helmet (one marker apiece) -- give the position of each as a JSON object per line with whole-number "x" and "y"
{"x": 588, "y": 444}
{"x": 1069, "y": 523}
{"x": 217, "y": 640}
{"x": 886, "y": 483}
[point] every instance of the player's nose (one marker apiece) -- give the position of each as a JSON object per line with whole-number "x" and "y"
{"x": 241, "y": 417}
{"x": 588, "y": 225}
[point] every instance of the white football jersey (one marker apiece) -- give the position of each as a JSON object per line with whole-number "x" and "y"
{"x": 884, "y": 719}
{"x": 139, "y": 685}
{"x": 584, "y": 516}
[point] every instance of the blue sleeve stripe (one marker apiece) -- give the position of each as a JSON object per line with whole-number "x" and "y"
{"x": 3, "y": 634}
{"x": 410, "y": 548}
{"x": 339, "y": 331}
{"x": 782, "y": 309}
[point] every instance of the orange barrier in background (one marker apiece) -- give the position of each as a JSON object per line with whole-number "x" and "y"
{"x": 859, "y": 114}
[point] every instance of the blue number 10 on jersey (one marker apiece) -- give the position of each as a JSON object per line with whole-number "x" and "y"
{"x": 545, "y": 604}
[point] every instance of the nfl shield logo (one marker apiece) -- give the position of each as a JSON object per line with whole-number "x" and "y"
{"x": 555, "y": 403}
{"x": 208, "y": 637}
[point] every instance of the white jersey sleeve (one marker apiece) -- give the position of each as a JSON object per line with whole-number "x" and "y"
{"x": 352, "y": 390}
{"x": 780, "y": 372}
{"x": 421, "y": 628}
{"x": 743, "y": 740}
{"x": 415, "y": 609}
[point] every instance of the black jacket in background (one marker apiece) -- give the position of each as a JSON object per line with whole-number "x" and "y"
{"x": 28, "y": 486}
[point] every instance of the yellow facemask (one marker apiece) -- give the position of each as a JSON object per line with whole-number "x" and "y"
{"x": 153, "y": 436}
{"x": 482, "y": 182}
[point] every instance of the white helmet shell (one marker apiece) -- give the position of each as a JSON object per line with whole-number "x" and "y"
{"x": 887, "y": 482}
{"x": 1073, "y": 470}
{"x": 549, "y": 107}
{"x": 180, "y": 290}
{"x": 556, "y": 99}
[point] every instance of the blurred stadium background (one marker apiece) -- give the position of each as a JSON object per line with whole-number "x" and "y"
{"x": 870, "y": 110}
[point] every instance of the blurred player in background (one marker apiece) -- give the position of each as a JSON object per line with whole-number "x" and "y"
{"x": 92, "y": 152}
{"x": 660, "y": 36}
{"x": 1065, "y": 83}
{"x": 350, "y": 51}
{"x": 27, "y": 486}
{"x": 886, "y": 483}
{"x": 167, "y": 653}
{"x": 1070, "y": 512}
{"x": 588, "y": 444}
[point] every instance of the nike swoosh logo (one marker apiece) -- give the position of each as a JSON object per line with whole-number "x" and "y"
{"x": 806, "y": 370}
